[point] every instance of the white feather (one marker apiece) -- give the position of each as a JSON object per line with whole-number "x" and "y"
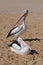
{"x": 23, "y": 50}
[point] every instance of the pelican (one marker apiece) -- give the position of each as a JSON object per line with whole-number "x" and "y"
{"x": 20, "y": 47}
{"x": 17, "y": 31}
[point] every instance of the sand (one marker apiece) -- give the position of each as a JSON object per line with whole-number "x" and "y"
{"x": 10, "y": 10}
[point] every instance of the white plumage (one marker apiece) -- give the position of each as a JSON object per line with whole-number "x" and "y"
{"x": 19, "y": 46}
{"x": 22, "y": 49}
{"x": 17, "y": 31}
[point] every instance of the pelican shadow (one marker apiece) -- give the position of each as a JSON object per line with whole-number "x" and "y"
{"x": 32, "y": 39}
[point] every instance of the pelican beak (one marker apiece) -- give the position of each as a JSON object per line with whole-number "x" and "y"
{"x": 23, "y": 14}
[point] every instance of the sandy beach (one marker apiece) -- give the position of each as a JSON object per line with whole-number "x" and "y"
{"x": 10, "y": 10}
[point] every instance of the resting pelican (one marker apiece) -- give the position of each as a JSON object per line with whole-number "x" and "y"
{"x": 20, "y": 47}
{"x": 19, "y": 29}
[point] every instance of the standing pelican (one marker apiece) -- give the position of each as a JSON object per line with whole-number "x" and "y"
{"x": 17, "y": 31}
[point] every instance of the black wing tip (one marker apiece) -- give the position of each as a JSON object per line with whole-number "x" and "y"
{"x": 14, "y": 42}
{"x": 8, "y": 35}
{"x": 11, "y": 44}
{"x": 32, "y": 52}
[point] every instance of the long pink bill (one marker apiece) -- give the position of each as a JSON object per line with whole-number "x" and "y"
{"x": 23, "y": 14}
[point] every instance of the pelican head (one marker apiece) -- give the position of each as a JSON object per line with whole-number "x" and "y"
{"x": 24, "y": 14}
